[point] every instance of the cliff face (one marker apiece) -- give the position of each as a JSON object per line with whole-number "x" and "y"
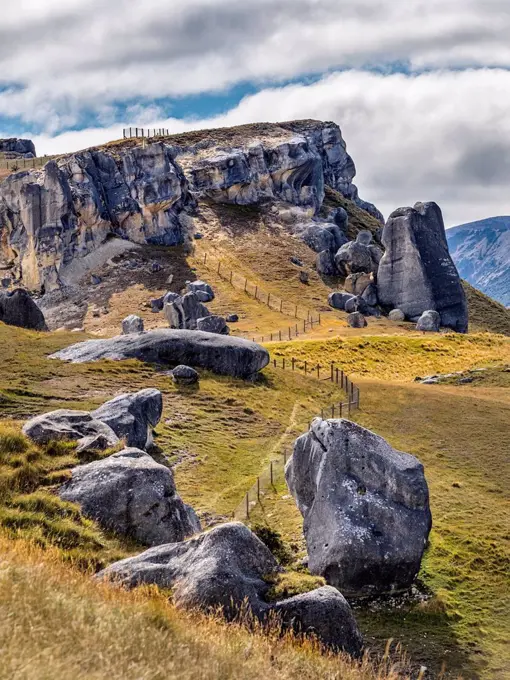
{"x": 481, "y": 251}
{"x": 145, "y": 192}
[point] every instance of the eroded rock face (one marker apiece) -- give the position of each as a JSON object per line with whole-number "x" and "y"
{"x": 219, "y": 353}
{"x": 18, "y": 309}
{"x": 64, "y": 211}
{"x": 131, "y": 494}
{"x": 365, "y": 508}
{"x": 227, "y": 568}
{"x": 416, "y": 273}
{"x": 132, "y": 416}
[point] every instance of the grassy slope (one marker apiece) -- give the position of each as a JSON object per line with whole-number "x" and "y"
{"x": 485, "y": 314}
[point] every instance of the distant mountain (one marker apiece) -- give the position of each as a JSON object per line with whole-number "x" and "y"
{"x": 481, "y": 251}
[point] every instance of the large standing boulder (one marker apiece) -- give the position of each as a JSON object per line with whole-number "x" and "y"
{"x": 65, "y": 424}
{"x": 131, "y": 494}
{"x": 132, "y": 416}
{"x": 356, "y": 283}
{"x": 18, "y": 309}
{"x": 228, "y": 567}
{"x": 221, "y": 354}
{"x": 203, "y": 288}
{"x": 183, "y": 312}
{"x": 365, "y": 507}
{"x": 416, "y": 272}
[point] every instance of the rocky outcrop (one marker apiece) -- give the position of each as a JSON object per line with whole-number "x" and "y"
{"x": 132, "y": 416}
{"x": 17, "y": 148}
{"x": 131, "y": 494}
{"x": 52, "y": 216}
{"x": 68, "y": 425}
{"x": 18, "y": 309}
{"x": 416, "y": 273}
{"x": 218, "y": 353}
{"x": 365, "y": 508}
{"x": 228, "y": 568}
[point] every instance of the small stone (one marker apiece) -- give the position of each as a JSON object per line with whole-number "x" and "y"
{"x": 95, "y": 280}
{"x": 155, "y": 267}
{"x": 185, "y": 375}
{"x": 213, "y": 324}
{"x": 356, "y": 320}
{"x": 396, "y": 315}
{"x": 296, "y": 261}
{"x": 304, "y": 277}
{"x": 132, "y": 324}
{"x": 202, "y": 289}
{"x": 429, "y": 321}
{"x": 338, "y": 300}
{"x": 232, "y": 318}
{"x": 198, "y": 236}
{"x": 6, "y": 283}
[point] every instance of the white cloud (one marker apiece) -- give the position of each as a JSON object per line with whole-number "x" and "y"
{"x": 441, "y": 136}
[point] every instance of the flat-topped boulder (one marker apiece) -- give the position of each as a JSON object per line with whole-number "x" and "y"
{"x": 218, "y": 353}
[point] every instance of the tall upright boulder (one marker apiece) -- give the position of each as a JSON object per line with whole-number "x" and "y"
{"x": 18, "y": 309}
{"x": 365, "y": 508}
{"x": 416, "y": 272}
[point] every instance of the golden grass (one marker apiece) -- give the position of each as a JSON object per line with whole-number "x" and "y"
{"x": 56, "y": 624}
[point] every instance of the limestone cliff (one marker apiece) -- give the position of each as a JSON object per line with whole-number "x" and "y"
{"x": 145, "y": 192}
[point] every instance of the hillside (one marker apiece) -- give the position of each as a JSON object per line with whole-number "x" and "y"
{"x": 481, "y": 252}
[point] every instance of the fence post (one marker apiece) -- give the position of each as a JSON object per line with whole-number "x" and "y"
{"x": 283, "y": 363}
{"x": 285, "y": 456}
{"x": 295, "y": 313}
{"x": 219, "y": 267}
{"x": 245, "y": 284}
{"x": 258, "y": 489}
{"x": 304, "y": 326}
{"x": 281, "y": 306}
{"x": 357, "y": 395}
{"x": 247, "y": 506}
{"x": 269, "y": 299}
{"x": 280, "y": 334}
{"x": 322, "y": 413}
{"x": 318, "y": 371}
{"x": 290, "y": 336}
{"x": 274, "y": 361}
{"x": 306, "y": 364}
{"x": 332, "y": 372}
{"x": 271, "y": 472}
{"x": 341, "y": 409}
{"x": 231, "y": 274}
{"x": 333, "y": 411}
{"x": 319, "y": 319}
{"x": 293, "y": 363}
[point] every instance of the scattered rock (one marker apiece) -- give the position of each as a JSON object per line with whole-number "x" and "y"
{"x": 157, "y": 305}
{"x": 340, "y": 218}
{"x": 369, "y": 295}
{"x": 356, "y": 304}
{"x": 339, "y": 236}
{"x": 185, "y": 375}
{"x": 131, "y": 494}
{"x": 155, "y": 267}
{"x": 356, "y": 320}
{"x": 430, "y": 320}
{"x": 304, "y": 277}
{"x": 416, "y": 273}
{"x": 183, "y": 312}
{"x": 365, "y": 508}
{"x": 221, "y": 354}
{"x": 338, "y": 300}
{"x": 213, "y": 324}
{"x": 202, "y": 287}
{"x": 232, "y": 318}
{"x": 354, "y": 257}
{"x": 18, "y": 309}
{"x": 132, "y": 324}
{"x": 396, "y": 315}
{"x": 65, "y": 424}
{"x": 6, "y": 282}
{"x": 95, "y": 280}
{"x": 198, "y": 236}
{"x": 132, "y": 416}
{"x": 296, "y": 261}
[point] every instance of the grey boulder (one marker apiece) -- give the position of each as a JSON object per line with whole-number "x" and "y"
{"x": 354, "y": 257}
{"x": 325, "y": 264}
{"x": 18, "y": 309}
{"x": 356, "y": 320}
{"x": 132, "y": 416}
{"x": 356, "y": 304}
{"x": 396, "y": 315}
{"x": 416, "y": 273}
{"x": 430, "y": 321}
{"x": 65, "y": 424}
{"x": 185, "y": 375}
{"x": 369, "y": 295}
{"x": 131, "y": 494}
{"x": 338, "y": 300}
{"x": 132, "y": 324}
{"x": 213, "y": 324}
{"x": 356, "y": 283}
{"x": 206, "y": 293}
{"x": 218, "y": 353}
{"x": 318, "y": 238}
{"x": 340, "y": 218}
{"x": 365, "y": 508}
{"x": 183, "y": 312}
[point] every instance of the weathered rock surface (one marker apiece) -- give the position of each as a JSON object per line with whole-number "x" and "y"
{"x": 185, "y": 375}
{"x": 430, "y": 321}
{"x": 338, "y": 300}
{"x": 132, "y": 416}
{"x": 365, "y": 508}
{"x": 221, "y": 354}
{"x": 66, "y": 424}
{"x": 23, "y": 148}
{"x": 183, "y": 312}
{"x": 396, "y": 315}
{"x": 213, "y": 324}
{"x": 131, "y": 494}
{"x": 356, "y": 320}
{"x": 18, "y": 309}
{"x": 132, "y": 324}
{"x": 318, "y": 238}
{"x": 416, "y": 272}
{"x": 227, "y": 567}
{"x": 201, "y": 287}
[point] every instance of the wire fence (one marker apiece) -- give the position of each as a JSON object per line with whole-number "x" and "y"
{"x": 15, "y": 164}
{"x": 277, "y": 304}
{"x": 275, "y": 471}
{"x": 131, "y": 132}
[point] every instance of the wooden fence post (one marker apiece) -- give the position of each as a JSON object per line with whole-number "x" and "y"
{"x": 280, "y": 334}
{"x": 333, "y": 411}
{"x": 271, "y": 472}
{"x": 318, "y": 371}
{"x": 293, "y": 363}
{"x": 219, "y": 267}
{"x": 231, "y": 274}
{"x": 256, "y": 291}
{"x": 295, "y": 312}
{"x": 332, "y": 372}
{"x": 245, "y": 284}
{"x": 283, "y": 363}
{"x": 258, "y": 489}
{"x": 247, "y": 506}
{"x": 281, "y": 306}
{"x": 306, "y": 365}
{"x": 290, "y": 336}
{"x": 341, "y": 409}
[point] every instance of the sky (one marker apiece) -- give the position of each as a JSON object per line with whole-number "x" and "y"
{"x": 420, "y": 88}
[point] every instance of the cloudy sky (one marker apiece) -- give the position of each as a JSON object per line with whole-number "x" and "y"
{"x": 420, "y": 88}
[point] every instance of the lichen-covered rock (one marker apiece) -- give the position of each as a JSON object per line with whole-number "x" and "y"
{"x": 430, "y": 321}
{"x": 338, "y": 300}
{"x": 213, "y": 324}
{"x": 365, "y": 508}
{"x": 201, "y": 287}
{"x": 218, "y": 353}
{"x": 132, "y": 416}
{"x": 68, "y": 425}
{"x": 416, "y": 273}
{"x": 183, "y": 312}
{"x": 228, "y": 567}
{"x": 132, "y": 324}
{"x": 66, "y": 210}
{"x": 185, "y": 375}
{"x": 131, "y": 494}
{"x": 356, "y": 320}
{"x": 18, "y": 309}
